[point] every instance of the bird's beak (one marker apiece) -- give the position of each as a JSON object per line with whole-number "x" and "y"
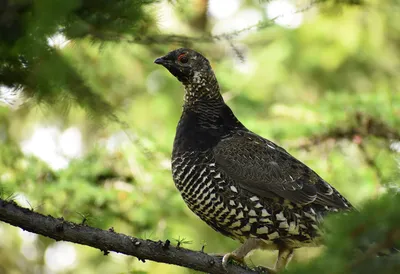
{"x": 160, "y": 61}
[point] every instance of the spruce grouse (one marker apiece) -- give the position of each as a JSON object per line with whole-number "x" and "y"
{"x": 242, "y": 185}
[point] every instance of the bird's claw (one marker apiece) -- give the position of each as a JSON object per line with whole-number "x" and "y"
{"x": 232, "y": 256}
{"x": 267, "y": 270}
{"x": 228, "y": 256}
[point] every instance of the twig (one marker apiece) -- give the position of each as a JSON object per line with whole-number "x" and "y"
{"x": 372, "y": 164}
{"x": 373, "y": 250}
{"x": 364, "y": 126}
{"x": 108, "y": 240}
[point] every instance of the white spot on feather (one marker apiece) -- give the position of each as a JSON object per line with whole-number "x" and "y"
{"x": 262, "y": 230}
{"x": 235, "y": 224}
{"x": 254, "y": 198}
{"x": 283, "y": 225}
{"x": 240, "y": 215}
{"x": 217, "y": 176}
{"x": 264, "y": 213}
{"x": 252, "y": 213}
{"x": 258, "y": 205}
{"x": 273, "y": 235}
{"x": 202, "y": 172}
{"x": 266, "y": 220}
{"x": 312, "y": 217}
{"x": 280, "y": 217}
{"x": 197, "y": 77}
{"x": 293, "y": 228}
{"x": 270, "y": 146}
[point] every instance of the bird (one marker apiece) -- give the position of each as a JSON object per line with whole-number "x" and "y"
{"x": 241, "y": 184}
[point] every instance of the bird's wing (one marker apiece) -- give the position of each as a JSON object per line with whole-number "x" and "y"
{"x": 267, "y": 170}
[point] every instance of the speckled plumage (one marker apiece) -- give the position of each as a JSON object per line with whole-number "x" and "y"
{"x": 242, "y": 185}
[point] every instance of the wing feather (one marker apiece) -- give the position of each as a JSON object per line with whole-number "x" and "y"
{"x": 263, "y": 168}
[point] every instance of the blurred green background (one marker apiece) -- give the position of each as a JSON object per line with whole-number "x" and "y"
{"x": 321, "y": 80}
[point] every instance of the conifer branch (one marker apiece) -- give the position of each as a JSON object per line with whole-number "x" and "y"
{"x": 62, "y": 230}
{"x": 363, "y": 126}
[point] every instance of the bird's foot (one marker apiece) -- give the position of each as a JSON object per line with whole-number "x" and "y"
{"x": 217, "y": 254}
{"x": 231, "y": 256}
{"x": 266, "y": 270}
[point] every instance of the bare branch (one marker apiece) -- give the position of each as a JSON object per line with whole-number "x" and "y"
{"x": 190, "y": 40}
{"x": 61, "y": 230}
{"x": 363, "y": 125}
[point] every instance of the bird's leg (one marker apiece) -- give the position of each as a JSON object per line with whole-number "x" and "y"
{"x": 241, "y": 252}
{"x": 284, "y": 256}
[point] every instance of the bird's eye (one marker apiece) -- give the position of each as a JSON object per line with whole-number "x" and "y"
{"x": 183, "y": 58}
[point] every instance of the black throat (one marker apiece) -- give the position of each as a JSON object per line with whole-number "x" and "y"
{"x": 203, "y": 124}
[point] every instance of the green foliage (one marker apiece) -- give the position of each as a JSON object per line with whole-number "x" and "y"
{"x": 326, "y": 90}
{"x": 377, "y": 223}
{"x": 28, "y": 60}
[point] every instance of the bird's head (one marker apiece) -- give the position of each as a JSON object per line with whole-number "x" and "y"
{"x": 195, "y": 72}
{"x": 188, "y": 66}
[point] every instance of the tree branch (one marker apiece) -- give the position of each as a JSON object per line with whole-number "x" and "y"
{"x": 61, "y": 230}
{"x": 363, "y": 125}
